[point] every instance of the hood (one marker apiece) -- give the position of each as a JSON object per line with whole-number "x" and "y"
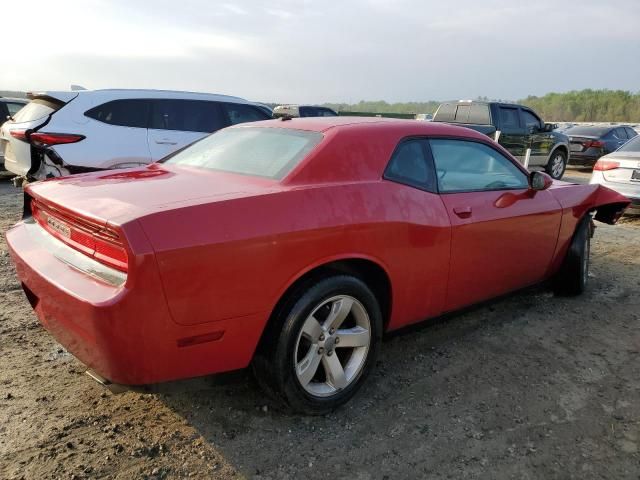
{"x": 118, "y": 196}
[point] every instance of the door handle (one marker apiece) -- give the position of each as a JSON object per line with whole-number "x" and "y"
{"x": 462, "y": 212}
{"x": 166, "y": 142}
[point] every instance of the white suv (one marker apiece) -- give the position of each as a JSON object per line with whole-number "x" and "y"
{"x": 62, "y": 133}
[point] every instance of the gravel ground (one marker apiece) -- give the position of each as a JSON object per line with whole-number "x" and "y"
{"x": 529, "y": 386}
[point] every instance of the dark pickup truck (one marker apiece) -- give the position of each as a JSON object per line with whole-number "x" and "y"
{"x": 520, "y": 129}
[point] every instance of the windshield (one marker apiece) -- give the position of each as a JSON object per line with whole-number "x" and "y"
{"x": 632, "y": 145}
{"x": 263, "y": 152}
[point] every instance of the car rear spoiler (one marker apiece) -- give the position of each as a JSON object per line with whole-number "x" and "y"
{"x": 56, "y": 97}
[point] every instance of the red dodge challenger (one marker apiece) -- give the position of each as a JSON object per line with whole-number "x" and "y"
{"x": 293, "y": 245}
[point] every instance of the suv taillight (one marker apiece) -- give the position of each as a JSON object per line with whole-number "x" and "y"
{"x": 41, "y": 139}
{"x": 603, "y": 165}
{"x": 102, "y": 244}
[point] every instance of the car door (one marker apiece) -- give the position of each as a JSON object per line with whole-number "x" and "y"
{"x": 175, "y": 123}
{"x": 512, "y": 131}
{"x": 539, "y": 141}
{"x": 503, "y": 234}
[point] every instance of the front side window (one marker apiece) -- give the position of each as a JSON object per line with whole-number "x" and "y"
{"x": 530, "y": 120}
{"x": 464, "y": 166}
{"x": 409, "y": 166}
{"x": 186, "y": 115}
{"x": 123, "y": 113}
{"x": 240, "y": 113}
{"x": 263, "y": 152}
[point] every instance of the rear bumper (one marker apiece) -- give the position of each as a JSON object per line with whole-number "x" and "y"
{"x": 125, "y": 332}
{"x": 583, "y": 160}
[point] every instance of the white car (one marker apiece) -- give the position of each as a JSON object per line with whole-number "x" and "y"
{"x": 62, "y": 133}
{"x": 620, "y": 171}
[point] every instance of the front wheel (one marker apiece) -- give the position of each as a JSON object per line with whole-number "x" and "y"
{"x": 574, "y": 272}
{"x": 321, "y": 345}
{"x": 557, "y": 165}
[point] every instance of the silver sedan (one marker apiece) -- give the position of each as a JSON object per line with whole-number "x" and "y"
{"x": 620, "y": 171}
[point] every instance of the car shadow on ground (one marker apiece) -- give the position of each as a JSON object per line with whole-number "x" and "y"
{"x": 503, "y": 387}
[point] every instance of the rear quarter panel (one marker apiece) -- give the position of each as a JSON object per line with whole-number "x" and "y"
{"x": 236, "y": 258}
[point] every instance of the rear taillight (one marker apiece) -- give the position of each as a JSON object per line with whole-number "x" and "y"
{"x": 19, "y": 134}
{"x": 102, "y": 244}
{"x": 42, "y": 139}
{"x": 602, "y": 165}
{"x": 593, "y": 144}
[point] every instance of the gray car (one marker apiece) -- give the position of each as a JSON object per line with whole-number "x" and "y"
{"x": 620, "y": 171}
{"x": 8, "y": 108}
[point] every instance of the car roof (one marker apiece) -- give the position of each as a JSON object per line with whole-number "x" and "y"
{"x": 323, "y": 124}
{"x": 123, "y": 93}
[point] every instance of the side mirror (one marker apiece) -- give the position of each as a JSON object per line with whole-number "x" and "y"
{"x": 539, "y": 181}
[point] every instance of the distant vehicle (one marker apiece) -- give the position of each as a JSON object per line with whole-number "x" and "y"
{"x": 520, "y": 129}
{"x": 62, "y": 133}
{"x": 293, "y": 246}
{"x": 8, "y": 108}
{"x": 295, "y": 111}
{"x": 424, "y": 117}
{"x": 620, "y": 171}
{"x": 590, "y": 142}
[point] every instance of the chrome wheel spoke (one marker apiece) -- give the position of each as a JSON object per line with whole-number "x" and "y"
{"x": 312, "y": 328}
{"x": 339, "y": 311}
{"x": 308, "y": 366}
{"x": 352, "y": 337}
{"x": 335, "y": 372}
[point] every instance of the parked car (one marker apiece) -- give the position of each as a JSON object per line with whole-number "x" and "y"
{"x": 295, "y": 111}
{"x": 590, "y": 142}
{"x": 292, "y": 245}
{"x": 424, "y": 117}
{"x": 62, "y": 133}
{"x": 517, "y": 127}
{"x": 620, "y": 171}
{"x": 8, "y": 108}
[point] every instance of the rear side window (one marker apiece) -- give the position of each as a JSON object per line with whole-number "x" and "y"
{"x": 187, "y": 115}
{"x": 37, "y": 109}
{"x": 124, "y": 113}
{"x": 14, "y": 107}
{"x": 241, "y": 113}
{"x": 263, "y": 152}
{"x": 509, "y": 117}
{"x": 409, "y": 165}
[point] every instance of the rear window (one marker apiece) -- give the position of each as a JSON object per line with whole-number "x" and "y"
{"x": 37, "y": 109}
{"x": 262, "y": 152}
{"x": 591, "y": 131}
{"x": 632, "y": 145}
{"x": 124, "y": 113}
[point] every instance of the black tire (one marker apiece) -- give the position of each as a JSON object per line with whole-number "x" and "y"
{"x": 557, "y": 164}
{"x": 573, "y": 275}
{"x": 274, "y": 363}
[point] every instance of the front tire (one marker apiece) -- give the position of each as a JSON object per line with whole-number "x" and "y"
{"x": 574, "y": 272}
{"x": 557, "y": 165}
{"x": 321, "y": 344}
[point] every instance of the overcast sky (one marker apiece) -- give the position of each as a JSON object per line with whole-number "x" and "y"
{"x": 324, "y": 51}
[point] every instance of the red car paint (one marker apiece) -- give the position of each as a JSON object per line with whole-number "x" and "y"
{"x": 210, "y": 254}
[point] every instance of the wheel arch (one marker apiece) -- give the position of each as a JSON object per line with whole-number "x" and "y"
{"x": 367, "y": 269}
{"x": 561, "y": 146}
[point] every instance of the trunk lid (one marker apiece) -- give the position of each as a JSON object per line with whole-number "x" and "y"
{"x": 119, "y": 196}
{"x": 580, "y": 143}
{"x": 627, "y": 170}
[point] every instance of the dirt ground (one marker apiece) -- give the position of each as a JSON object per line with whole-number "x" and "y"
{"x": 527, "y": 387}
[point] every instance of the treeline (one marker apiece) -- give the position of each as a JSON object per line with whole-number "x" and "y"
{"x": 587, "y": 106}
{"x": 575, "y": 106}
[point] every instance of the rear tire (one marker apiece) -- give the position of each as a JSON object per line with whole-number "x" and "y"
{"x": 574, "y": 272}
{"x": 320, "y": 345}
{"x": 557, "y": 165}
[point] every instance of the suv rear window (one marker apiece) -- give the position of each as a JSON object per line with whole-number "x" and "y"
{"x": 124, "y": 113}
{"x": 262, "y": 152}
{"x": 37, "y": 109}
